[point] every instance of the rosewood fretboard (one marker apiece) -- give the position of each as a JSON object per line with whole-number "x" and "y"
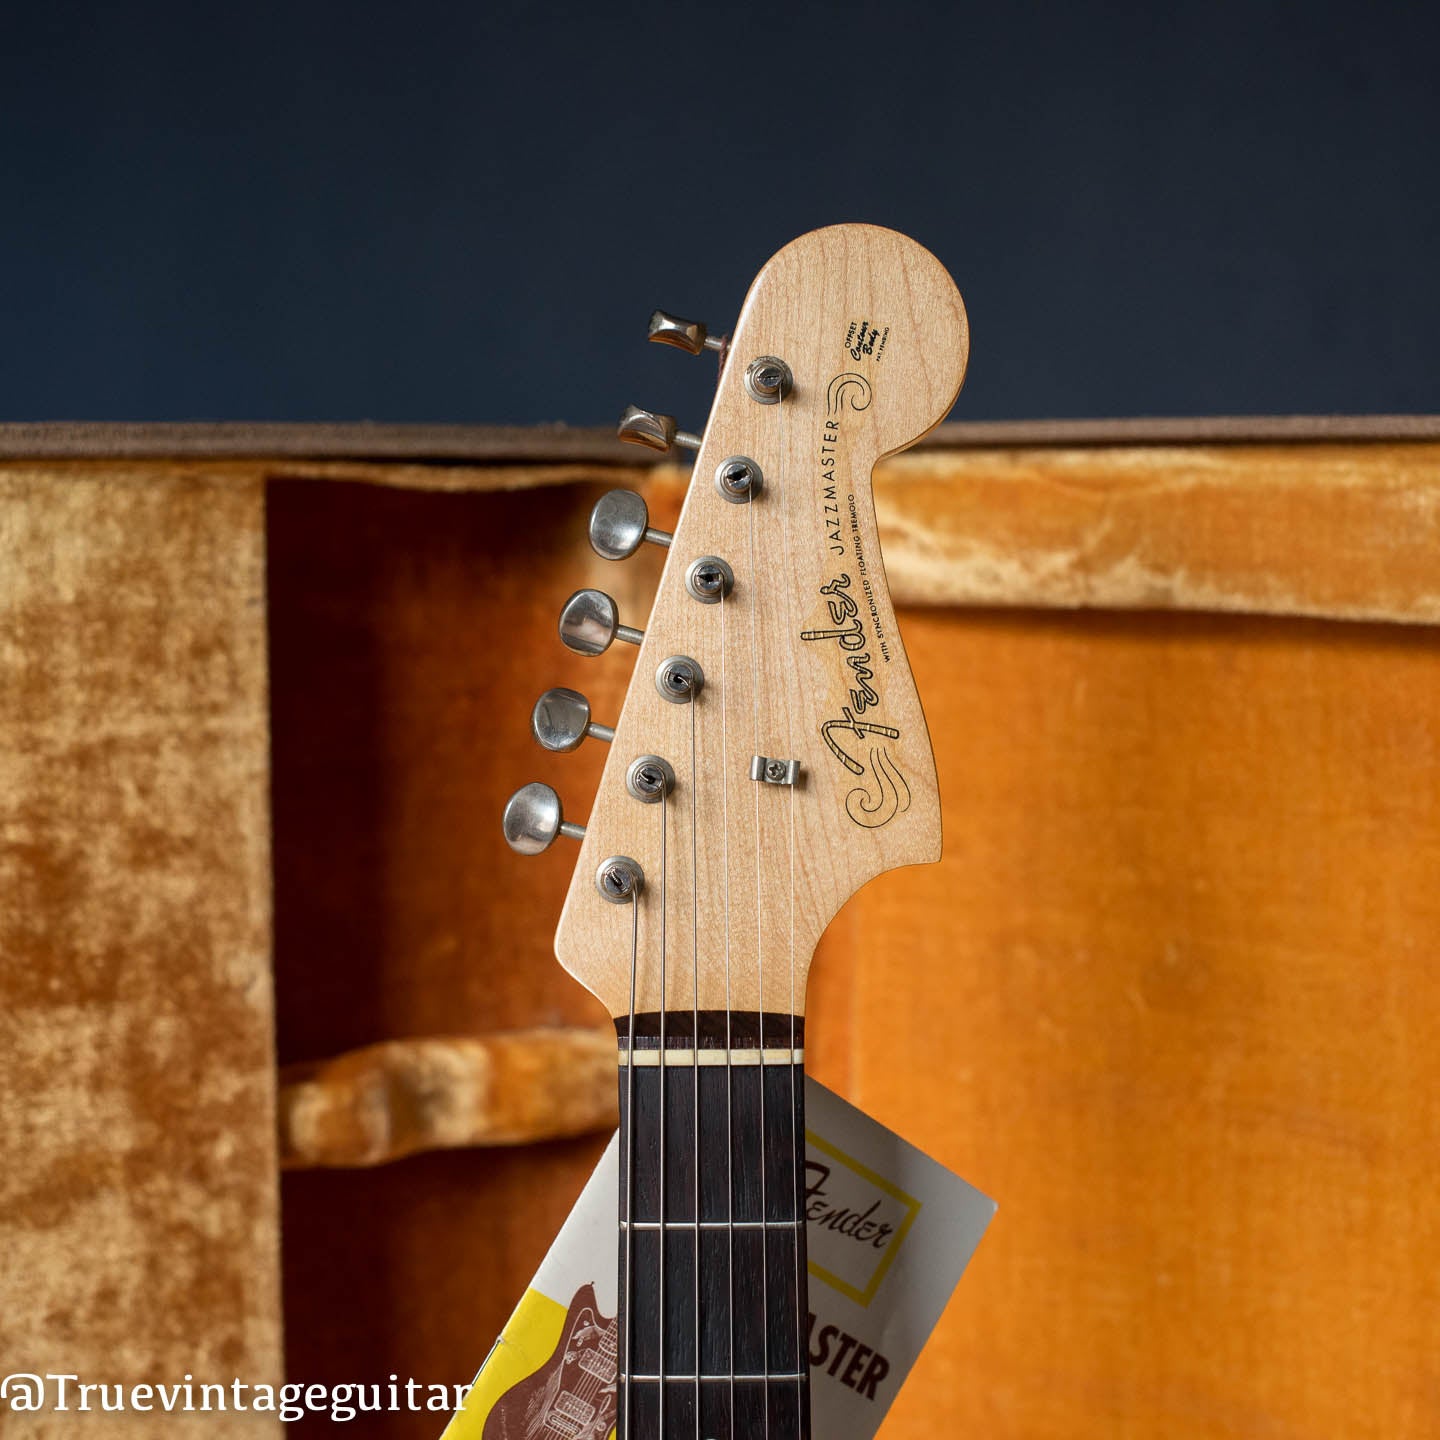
{"x": 712, "y": 1238}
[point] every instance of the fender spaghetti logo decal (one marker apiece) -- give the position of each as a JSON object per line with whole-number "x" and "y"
{"x": 854, "y": 737}
{"x": 859, "y": 745}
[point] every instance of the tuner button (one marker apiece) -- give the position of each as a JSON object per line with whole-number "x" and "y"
{"x": 561, "y": 720}
{"x": 589, "y": 622}
{"x": 691, "y": 335}
{"x": 655, "y": 432}
{"x": 619, "y": 523}
{"x": 532, "y": 819}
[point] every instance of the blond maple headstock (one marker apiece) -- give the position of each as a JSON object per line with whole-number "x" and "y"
{"x": 804, "y": 670}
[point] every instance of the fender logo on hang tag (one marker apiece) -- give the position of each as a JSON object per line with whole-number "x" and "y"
{"x": 856, "y": 1220}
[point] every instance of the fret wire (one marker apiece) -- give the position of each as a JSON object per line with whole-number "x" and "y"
{"x": 710, "y": 1379}
{"x": 711, "y": 1224}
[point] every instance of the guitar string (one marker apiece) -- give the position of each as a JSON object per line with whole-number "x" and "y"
{"x": 629, "y": 1311}
{"x": 760, "y": 995}
{"x": 695, "y": 1038}
{"x": 661, "y": 1071}
{"x": 729, "y": 1038}
{"x": 796, "y": 1139}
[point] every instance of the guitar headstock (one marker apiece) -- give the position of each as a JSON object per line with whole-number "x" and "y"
{"x": 771, "y": 755}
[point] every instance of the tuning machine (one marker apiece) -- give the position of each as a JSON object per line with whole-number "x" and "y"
{"x": 620, "y": 524}
{"x": 533, "y": 819}
{"x": 655, "y": 432}
{"x": 688, "y": 335}
{"x": 561, "y": 720}
{"x": 589, "y": 622}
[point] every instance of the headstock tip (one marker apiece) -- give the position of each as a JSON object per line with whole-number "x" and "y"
{"x": 883, "y": 302}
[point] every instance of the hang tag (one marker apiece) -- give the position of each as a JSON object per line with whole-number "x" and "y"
{"x": 889, "y": 1234}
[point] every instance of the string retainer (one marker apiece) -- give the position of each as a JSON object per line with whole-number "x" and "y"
{"x": 774, "y": 772}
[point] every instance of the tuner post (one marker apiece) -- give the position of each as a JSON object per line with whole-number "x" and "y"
{"x": 768, "y": 379}
{"x": 709, "y": 579}
{"x": 650, "y": 778}
{"x": 619, "y": 879}
{"x": 679, "y": 680}
{"x": 738, "y": 479}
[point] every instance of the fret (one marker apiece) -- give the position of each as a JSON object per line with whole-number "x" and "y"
{"x": 709, "y": 1224}
{"x": 718, "y": 1379}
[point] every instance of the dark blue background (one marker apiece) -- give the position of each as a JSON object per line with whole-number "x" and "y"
{"x": 465, "y": 212}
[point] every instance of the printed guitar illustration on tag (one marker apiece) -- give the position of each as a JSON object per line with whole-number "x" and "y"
{"x": 573, "y": 1395}
{"x": 770, "y": 758}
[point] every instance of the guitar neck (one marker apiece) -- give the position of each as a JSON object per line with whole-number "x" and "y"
{"x": 713, "y": 1310}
